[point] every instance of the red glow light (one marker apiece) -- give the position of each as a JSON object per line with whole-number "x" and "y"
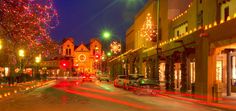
{"x": 95, "y": 96}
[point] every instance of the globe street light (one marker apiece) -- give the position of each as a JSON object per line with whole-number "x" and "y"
{"x": 108, "y": 54}
{"x": 21, "y": 53}
{"x": 106, "y": 34}
{"x": 37, "y": 61}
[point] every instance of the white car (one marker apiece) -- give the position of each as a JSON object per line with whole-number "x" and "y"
{"x": 104, "y": 78}
{"x": 119, "y": 81}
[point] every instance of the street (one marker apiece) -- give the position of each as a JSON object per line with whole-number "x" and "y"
{"x": 75, "y": 95}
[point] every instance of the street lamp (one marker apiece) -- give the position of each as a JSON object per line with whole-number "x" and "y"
{"x": 106, "y": 34}
{"x": 108, "y": 54}
{"x": 37, "y": 61}
{"x": 21, "y": 54}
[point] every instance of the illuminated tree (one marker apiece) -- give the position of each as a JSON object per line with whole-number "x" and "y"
{"x": 26, "y": 24}
{"x": 148, "y": 30}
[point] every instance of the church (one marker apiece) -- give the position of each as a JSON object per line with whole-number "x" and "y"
{"x": 84, "y": 58}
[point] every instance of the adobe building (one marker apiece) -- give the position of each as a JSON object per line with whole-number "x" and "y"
{"x": 196, "y": 48}
{"x": 84, "y": 58}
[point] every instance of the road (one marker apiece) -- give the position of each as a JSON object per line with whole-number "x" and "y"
{"x": 73, "y": 95}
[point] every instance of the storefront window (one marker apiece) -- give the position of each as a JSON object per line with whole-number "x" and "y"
{"x": 162, "y": 71}
{"x": 234, "y": 70}
{"x": 192, "y": 71}
{"x": 219, "y": 70}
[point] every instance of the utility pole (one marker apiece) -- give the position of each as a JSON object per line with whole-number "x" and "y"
{"x": 157, "y": 39}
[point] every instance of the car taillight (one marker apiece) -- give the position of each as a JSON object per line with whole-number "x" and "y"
{"x": 84, "y": 77}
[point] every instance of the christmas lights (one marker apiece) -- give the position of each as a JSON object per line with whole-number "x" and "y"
{"x": 148, "y": 30}
{"x": 26, "y": 23}
{"x": 115, "y": 47}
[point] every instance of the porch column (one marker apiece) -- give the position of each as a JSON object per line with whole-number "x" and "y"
{"x": 229, "y": 72}
{"x": 205, "y": 69}
{"x": 184, "y": 75}
{"x": 172, "y": 73}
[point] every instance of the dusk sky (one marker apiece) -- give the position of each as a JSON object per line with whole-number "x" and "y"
{"x": 85, "y": 19}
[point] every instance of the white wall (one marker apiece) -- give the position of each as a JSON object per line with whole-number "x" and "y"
{"x": 232, "y": 8}
{"x": 181, "y": 29}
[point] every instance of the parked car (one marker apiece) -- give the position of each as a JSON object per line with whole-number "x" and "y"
{"x": 104, "y": 78}
{"x": 88, "y": 78}
{"x": 146, "y": 87}
{"x": 119, "y": 81}
{"x": 130, "y": 80}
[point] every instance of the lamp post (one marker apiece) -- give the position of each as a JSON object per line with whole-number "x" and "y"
{"x": 37, "y": 61}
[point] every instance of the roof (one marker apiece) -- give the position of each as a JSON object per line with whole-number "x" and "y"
{"x": 66, "y": 39}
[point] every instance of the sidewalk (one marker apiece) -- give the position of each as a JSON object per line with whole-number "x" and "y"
{"x": 8, "y": 90}
{"x": 224, "y": 103}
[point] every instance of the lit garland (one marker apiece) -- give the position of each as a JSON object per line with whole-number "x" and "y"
{"x": 115, "y": 47}
{"x": 27, "y": 23}
{"x": 148, "y": 30}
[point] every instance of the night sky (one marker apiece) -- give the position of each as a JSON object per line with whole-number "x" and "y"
{"x": 85, "y": 19}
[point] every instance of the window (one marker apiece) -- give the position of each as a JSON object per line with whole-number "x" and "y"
{"x": 192, "y": 72}
{"x": 200, "y": 1}
{"x": 226, "y": 13}
{"x": 177, "y": 33}
{"x": 186, "y": 29}
{"x": 69, "y": 51}
{"x": 68, "y": 45}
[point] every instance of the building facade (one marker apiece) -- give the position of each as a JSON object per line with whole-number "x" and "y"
{"x": 84, "y": 58}
{"x": 195, "y": 45}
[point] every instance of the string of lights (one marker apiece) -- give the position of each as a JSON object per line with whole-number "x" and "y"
{"x": 28, "y": 22}
{"x": 148, "y": 30}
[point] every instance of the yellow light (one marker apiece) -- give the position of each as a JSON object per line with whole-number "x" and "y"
{"x": 200, "y": 27}
{"x": 215, "y": 23}
{"x": 228, "y": 18}
{"x": 190, "y": 31}
{"x": 0, "y": 96}
{"x": 195, "y": 29}
{"x": 206, "y": 27}
{"x": 5, "y": 94}
{"x": 210, "y": 26}
{"x": 38, "y": 59}
{"x": 222, "y": 21}
{"x": 186, "y": 33}
{"x": 235, "y": 15}
{"x": 21, "y": 53}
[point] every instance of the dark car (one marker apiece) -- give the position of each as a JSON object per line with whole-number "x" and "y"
{"x": 146, "y": 87}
